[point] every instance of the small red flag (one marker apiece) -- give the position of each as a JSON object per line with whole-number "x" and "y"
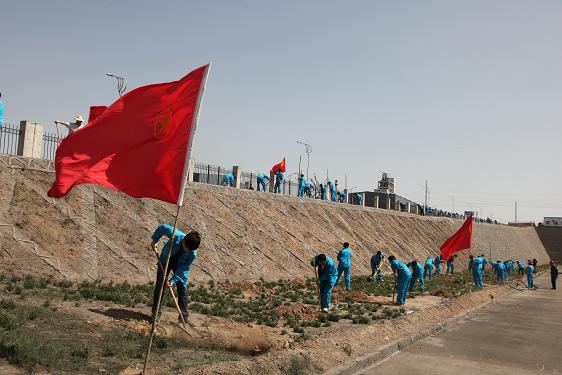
{"x": 95, "y": 111}
{"x": 138, "y": 145}
{"x": 461, "y": 240}
{"x": 278, "y": 167}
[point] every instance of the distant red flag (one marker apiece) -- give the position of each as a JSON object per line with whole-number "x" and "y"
{"x": 461, "y": 240}
{"x": 278, "y": 167}
{"x": 95, "y": 111}
{"x": 138, "y": 145}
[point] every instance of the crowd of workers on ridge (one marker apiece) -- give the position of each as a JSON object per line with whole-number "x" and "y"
{"x": 184, "y": 252}
{"x": 327, "y": 190}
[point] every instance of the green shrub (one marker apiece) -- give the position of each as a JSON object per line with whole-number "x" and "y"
{"x": 82, "y": 352}
{"x": 6, "y": 322}
{"x": 160, "y": 342}
{"x": 7, "y": 304}
{"x": 28, "y": 282}
{"x": 32, "y": 314}
{"x": 332, "y": 317}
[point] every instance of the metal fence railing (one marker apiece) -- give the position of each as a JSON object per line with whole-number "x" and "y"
{"x": 9, "y": 138}
{"x": 50, "y": 143}
{"x": 209, "y": 174}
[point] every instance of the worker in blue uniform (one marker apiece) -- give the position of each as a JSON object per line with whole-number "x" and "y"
{"x": 500, "y": 272}
{"x": 417, "y": 275}
{"x": 451, "y": 264}
{"x": 342, "y": 197}
{"x": 327, "y": 276}
{"x": 307, "y": 188}
{"x": 477, "y": 272}
{"x": 183, "y": 254}
{"x": 344, "y": 265}
{"x": 376, "y": 263}
{"x": 428, "y": 268}
{"x": 403, "y": 276}
{"x": 323, "y": 191}
{"x": 530, "y": 270}
{"x": 359, "y": 199}
{"x": 261, "y": 181}
{"x": 437, "y": 263}
{"x": 279, "y": 176}
{"x": 521, "y": 268}
{"x": 228, "y": 179}
{"x": 301, "y": 186}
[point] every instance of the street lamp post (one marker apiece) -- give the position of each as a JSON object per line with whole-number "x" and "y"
{"x": 121, "y": 83}
{"x": 453, "y": 199}
{"x": 308, "y": 150}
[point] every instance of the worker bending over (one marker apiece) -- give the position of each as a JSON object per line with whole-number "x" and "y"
{"x": 376, "y": 263}
{"x": 417, "y": 274}
{"x": 403, "y": 276}
{"x": 182, "y": 256}
{"x": 437, "y": 263}
{"x": 228, "y": 179}
{"x": 327, "y": 276}
{"x": 261, "y": 181}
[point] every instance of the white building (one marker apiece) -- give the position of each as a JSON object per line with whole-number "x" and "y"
{"x": 552, "y": 222}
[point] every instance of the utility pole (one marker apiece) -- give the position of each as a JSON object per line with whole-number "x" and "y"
{"x": 425, "y": 205}
{"x": 516, "y": 211}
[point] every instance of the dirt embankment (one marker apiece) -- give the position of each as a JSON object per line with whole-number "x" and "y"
{"x": 98, "y": 233}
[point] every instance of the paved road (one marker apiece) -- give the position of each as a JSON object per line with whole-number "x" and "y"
{"x": 520, "y": 334}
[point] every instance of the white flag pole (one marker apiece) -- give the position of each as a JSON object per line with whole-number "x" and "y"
{"x": 192, "y": 134}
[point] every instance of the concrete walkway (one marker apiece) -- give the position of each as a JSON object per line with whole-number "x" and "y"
{"x": 520, "y": 334}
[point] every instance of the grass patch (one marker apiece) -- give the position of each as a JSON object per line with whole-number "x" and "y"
{"x": 299, "y": 365}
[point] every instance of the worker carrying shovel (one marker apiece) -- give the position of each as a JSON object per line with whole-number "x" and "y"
{"x": 184, "y": 252}
{"x": 327, "y": 276}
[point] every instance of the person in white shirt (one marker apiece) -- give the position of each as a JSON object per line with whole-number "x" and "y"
{"x": 73, "y": 126}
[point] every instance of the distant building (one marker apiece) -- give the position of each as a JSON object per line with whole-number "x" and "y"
{"x": 386, "y": 184}
{"x": 552, "y": 222}
{"x": 384, "y": 197}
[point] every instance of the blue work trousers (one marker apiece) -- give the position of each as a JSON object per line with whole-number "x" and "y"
{"x": 428, "y": 272}
{"x": 413, "y": 282}
{"x": 326, "y": 293}
{"x": 402, "y": 288}
{"x": 347, "y": 275}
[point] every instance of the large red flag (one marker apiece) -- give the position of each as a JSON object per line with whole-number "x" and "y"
{"x": 278, "y": 167}
{"x": 461, "y": 240}
{"x": 138, "y": 145}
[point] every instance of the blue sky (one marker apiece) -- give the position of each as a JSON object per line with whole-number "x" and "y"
{"x": 465, "y": 94}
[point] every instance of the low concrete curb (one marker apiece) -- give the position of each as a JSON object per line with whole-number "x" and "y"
{"x": 388, "y": 350}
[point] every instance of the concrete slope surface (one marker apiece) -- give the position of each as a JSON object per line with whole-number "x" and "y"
{"x": 520, "y": 334}
{"x": 97, "y": 233}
